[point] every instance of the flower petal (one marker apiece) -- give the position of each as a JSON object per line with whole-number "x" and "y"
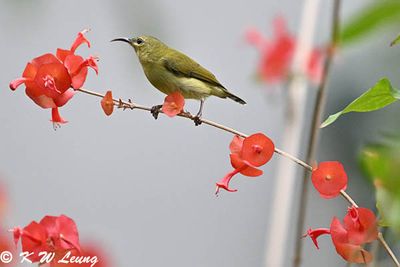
{"x": 62, "y": 54}
{"x": 107, "y": 103}
{"x": 55, "y": 116}
{"x": 53, "y": 78}
{"x": 34, "y": 239}
{"x": 91, "y": 62}
{"x": 17, "y": 232}
{"x": 68, "y": 233}
{"x": 173, "y": 104}
{"x": 17, "y": 82}
{"x": 314, "y": 234}
{"x": 257, "y": 149}
{"x": 329, "y": 178}
{"x": 236, "y": 144}
{"x": 224, "y": 183}
{"x": 80, "y": 39}
{"x": 41, "y": 100}
{"x": 62, "y": 99}
{"x": 361, "y": 224}
{"x": 245, "y": 169}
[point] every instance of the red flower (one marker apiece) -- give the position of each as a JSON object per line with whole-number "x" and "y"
{"x": 48, "y": 79}
{"x": 107, "y": 103}
{"x": 360, "y": 227}
{"x": 247, "y": 154}
{"x": 276, "y": 56}
{"x": 257, "y": 149}
{"x": 51, "y": 234}
{"x": 329, "y": 178}
{"x": 76, "y": 65}
{"x": 350, "y": 252}
{"x": 173, "y": 104}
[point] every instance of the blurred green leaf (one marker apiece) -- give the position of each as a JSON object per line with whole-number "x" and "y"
{"x": 371, "y": 18}
{"x": 380, "y": 163}
{"x": 377, "y": 97}
{"x": 395, "y": 41}
{"x": 388, "y": 205}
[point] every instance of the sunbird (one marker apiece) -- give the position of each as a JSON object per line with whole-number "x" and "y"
{"x": 169, "y": 70}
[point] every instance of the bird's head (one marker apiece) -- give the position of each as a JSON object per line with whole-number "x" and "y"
{"x": 145, "y": 46}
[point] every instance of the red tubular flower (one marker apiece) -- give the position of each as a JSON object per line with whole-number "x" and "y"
{"x": 276, "y": 55}
{"x": 51, "y": 234}
{"x": 329, "y": 178}
{"x": 359, "y": 228}
{"x": 107, "y": 103}
{"x": 173, "y": 104}
{"x": 48, "y": 79}
{"x": 247, "y": 154}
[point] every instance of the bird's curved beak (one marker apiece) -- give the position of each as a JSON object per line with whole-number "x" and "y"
{"x": 126, "y": 40}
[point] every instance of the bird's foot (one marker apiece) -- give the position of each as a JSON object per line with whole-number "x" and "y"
{"x": 197, "y": 119}
{"x": 155, "y": 110}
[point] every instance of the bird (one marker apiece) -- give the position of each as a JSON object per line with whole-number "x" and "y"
{"x": 170, "y": 70}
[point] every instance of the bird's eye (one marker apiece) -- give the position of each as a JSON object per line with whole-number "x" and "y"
{"x": 139, "y": 41}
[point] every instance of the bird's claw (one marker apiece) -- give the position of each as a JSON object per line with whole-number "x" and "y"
{"x": 155, "y": 110}
{"x": 197, "y": 120}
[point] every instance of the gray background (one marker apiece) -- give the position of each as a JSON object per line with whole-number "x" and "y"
{"x": 144, "y": 188}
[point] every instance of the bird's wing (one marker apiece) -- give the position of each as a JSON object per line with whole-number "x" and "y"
{"x": 182, "y": 65}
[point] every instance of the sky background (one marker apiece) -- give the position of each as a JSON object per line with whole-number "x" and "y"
{"x": 144, "y": 189}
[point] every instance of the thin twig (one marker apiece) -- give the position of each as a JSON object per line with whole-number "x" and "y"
{"x": 388, "y": 249}
{"x": 316, "y": 120}
{"x": 131, "y": 105}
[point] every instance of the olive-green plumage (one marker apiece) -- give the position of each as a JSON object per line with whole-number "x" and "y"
{"x": 170, "y": 70}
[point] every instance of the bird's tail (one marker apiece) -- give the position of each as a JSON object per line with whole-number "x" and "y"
{"x": 235, "y": 98}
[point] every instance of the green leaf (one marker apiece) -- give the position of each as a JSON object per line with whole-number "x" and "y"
{"x": 376, "y": 15}
{"x": 388, "y": 206}
{"x": 380, "y": 163}
{"x": 395, "y": 41}
{"x": 377, "y": 97}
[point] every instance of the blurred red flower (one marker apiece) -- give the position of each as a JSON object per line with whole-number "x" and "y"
{"x": 247, "y": 154}
{"x": 329, "y": 178}
{"x": 359, "y": 228}
{"x": 48, "y": 79}
{"x": 51, "y": 234}
{"x": 173, "y": 104}
{"x": 276, "y": 55}
{"x": 107, "y": 103}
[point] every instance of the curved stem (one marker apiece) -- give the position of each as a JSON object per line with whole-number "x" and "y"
{"x": 130, "y": 105}
{"x": 316, "y": 121}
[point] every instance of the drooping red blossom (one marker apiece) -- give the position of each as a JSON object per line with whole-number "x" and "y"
{"x": 329, "y": 178}
{"x": 276, "y": 55}
{"x": 107, "y": 103}
{"x": 52, "y": 234}
{"x": 173, "y": 104}
{"x": 246, "y": 155}
{"x": 349, "y": 251}
{"x": 359, "y": 227}
{"x": 50, "y": 80}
